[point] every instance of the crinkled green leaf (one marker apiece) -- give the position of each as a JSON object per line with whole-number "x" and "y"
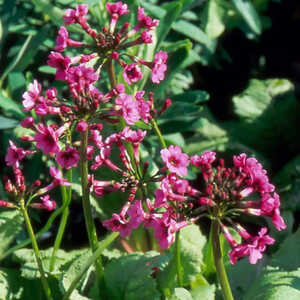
{"x": 191, "y": 245}
{"x": 29, "y": 268}
{"x": 248, "y": 12}
{"x": 268, "y": 113}
{"x": 181, "y": 294}
{"x": 129, "y": 277}
{"x": 240, "y": 284}
{"x": 11, "y": 224}
{"x": 274, "y": 284}
{"x": 10, "y": 287}
{"x": 204, "y": 292}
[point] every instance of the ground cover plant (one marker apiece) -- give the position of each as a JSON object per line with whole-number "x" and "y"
{"x": 122, "y": 177}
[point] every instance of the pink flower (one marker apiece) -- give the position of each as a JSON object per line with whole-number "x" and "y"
{"x": 61, "y": 63}
{"x": 132, "y": 73}
{"x": 15, "y": 155}
{"x": 48, "y": 203}
{"x": 144, "y": 107}
{"x": 47, "y": 139}
{"x": 159, "y": 66}
{"x": 117, "y": 8}
{"x": 76, "y": 15}
{"x": 82, "y": 126}
{"x": 63, "y": 41}
{"x": 165, "y": 228}
{"x": 80, "y": 77}
{"x": 136, "y": 214}
{"x": 129, "y": 108}
{"x": 175, "y": 160}
{"x": 118, "y": 224}
{"x": 146, "y": 37}
{"x": 28, "y": 122}
{"x": 205, "y": 159}
{"x": 133, "y": 136}
{"x": 68, "y": 158}
{"x": 145, "y": 21}
{"x": 252, "y": 248}
{"x": 31, "y": 96}
{"x": 58, "y": 177}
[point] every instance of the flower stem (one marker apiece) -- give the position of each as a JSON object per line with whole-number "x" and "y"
{"x": 177, "y": 258}
{"x": 179, "y": 269}
{"x": 66, "y": 198}
{"x": 87, "y": 209}
{"x": 38, "y": 235}
{"x": 158, "y": 133}
{"x": 226, "y": 290}
{"x": 36, "y": 251}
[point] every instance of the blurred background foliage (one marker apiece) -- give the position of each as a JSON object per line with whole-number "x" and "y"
{"x": 233, "y": 76}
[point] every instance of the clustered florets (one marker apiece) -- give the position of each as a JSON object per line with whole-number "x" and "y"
{"x": 224, "y": 197}
{"x": 177, "y": 202}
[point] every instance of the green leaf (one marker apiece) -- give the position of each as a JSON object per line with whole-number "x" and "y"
{"x": 191, "y": 245}
{"x": 11, "y": 224}
{"x": 34, "y": 46}
{"x": 214, "y": 16}
{"x": 16, "y": 84}
{"x": 248, "y": 12}
{"x": 204, "y": 292}
{"x": 287, "y": 257}
{"x": 10, "y": 284}
{"x": 29, "y": 268}
{"x": 6, "y": 123}
{"x": 129, "y": 277}
{"x": 274, "y": 284}
{"x": 50, "y": 10}
{"x": 240, "y": 284}
{"x": 193, "y": 96}
{"x": 173, "y": 10}
{"x": 10, "y": 107}
{"x": 71, "y": 273}
{"x": 181, "y": 294}
{"x": 192, "y": 31}
{"x": 268, "y": 113}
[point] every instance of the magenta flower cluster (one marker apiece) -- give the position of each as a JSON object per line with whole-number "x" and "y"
{"x": 176, "y": 202}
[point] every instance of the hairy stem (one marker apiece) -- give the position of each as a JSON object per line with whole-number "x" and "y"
{"x": 226, "y": 290}
{"x": 66, "y": 198}
{"x": 87, "y": 209}
{"x": 36, "y": 251}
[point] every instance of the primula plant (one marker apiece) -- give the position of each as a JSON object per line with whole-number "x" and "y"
{"x": 162, "y": 221}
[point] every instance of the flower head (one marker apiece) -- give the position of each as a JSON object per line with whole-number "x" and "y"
{"x": 175, "y": 160}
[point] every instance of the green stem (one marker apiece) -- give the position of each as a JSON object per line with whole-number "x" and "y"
{"x": 177, "y": 258}
{"x": 102, "y": 245}
{"x": 158, "y": 133}
{"x": 87, "y": 209}
{"x": 226, "y": 291}
{"x": 111, "y": 73}
{"x": 66, "y": 198}
{"x": 36, "y": 251}
{"x": 38, "y": 235}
